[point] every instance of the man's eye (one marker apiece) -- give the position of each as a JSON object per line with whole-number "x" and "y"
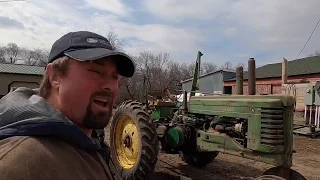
{"x": 94, "y": 71}
{"x": 115, "y": 76}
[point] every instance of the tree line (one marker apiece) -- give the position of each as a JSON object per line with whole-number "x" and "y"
{"x": 158, "y": 70}
{"x": 12, "y": 53}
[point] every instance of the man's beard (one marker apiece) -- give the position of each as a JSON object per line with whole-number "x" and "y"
{"x": 100, "y": 120}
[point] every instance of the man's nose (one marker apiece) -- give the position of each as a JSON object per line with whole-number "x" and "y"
{"x": 109, "y": 83}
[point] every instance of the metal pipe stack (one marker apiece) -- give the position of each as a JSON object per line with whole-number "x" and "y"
{"x": 239, "y": 80}
{"x": 284, "y": 71}
{"x": 251, "y": 77}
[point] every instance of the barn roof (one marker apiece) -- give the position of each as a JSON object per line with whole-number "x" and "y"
{"x": 21, "y": 69}
{"x": 210, "y": 73}
{"x": 303, "y": 66}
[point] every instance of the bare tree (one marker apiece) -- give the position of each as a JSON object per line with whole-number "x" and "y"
{"x": 227, "y": 65}
{"x": 207, "y": 67}
{"x": 2, "y": 55}
{"x": 114, "y": 40}
{"x": 129, "y": 87}
{"x": 315, "y": 53}
{"x": 35, "y": 57}
{"x": 11, "y": 53}
{"x": 175, "y": 72}
{"x": 157, "y": 69}
{"x": 41, "y": 56}
{"x": 154, "y": 67}
{"x": 245, "y": 68}
{"x": 187, "y": 70}
{"x": 27, "y": 56}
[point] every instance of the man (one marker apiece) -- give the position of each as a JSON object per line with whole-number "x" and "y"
{"x": 49, "y": 134}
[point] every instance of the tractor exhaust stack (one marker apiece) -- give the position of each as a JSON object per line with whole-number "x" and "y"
{"x": 284, "y": 71}
{"x": 251, "y": 77}
{"x": 239, "y": 80}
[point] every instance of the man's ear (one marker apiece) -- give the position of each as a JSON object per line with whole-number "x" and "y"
{"x": 53, "y": 77}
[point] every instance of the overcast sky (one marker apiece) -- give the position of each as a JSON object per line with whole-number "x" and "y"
{"x": 223, "y": 30}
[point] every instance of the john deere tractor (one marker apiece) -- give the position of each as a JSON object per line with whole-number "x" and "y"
{"x": 257, "y": 127}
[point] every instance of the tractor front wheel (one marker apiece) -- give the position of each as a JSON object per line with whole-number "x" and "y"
{"x": 133, "y": 141}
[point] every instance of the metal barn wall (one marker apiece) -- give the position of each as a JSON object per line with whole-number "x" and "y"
{"x": 208, "y": 84}
{"x": 18, "y": 80}
{"x": 187, "y": 85}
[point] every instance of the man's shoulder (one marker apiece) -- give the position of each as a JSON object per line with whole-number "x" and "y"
{"x": 47, "y": 158}
{"x": 23, "y": 157}
{"x": 10, "y": 144}
{"x": 27, "y": 146}
{"x": 40, "y": 150}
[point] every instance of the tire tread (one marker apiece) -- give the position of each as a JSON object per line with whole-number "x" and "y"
{"x": 149, "y": 139}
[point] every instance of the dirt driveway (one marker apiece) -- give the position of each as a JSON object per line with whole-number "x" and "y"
{"x": 306, "y": 160}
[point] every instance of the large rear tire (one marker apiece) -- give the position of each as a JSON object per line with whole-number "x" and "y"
{"x": 133, "y": 141}
{"x": 276, "y": 171}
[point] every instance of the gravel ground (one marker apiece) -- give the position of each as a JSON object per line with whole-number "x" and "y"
{"x": 306, "y": 161}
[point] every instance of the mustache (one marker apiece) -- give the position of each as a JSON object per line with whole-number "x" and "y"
{"x": 106, "y": 93}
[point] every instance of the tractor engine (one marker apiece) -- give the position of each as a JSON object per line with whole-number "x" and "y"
{"x": 179, "y": 133}
{"x": 176, "y": 133}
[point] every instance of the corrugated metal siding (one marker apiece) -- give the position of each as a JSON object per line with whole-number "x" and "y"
{"x": 212, "y": 73}
{"x": 217, "y": 82}
{"x": 187, "y": 86}
{"x": 208, "y": 84}
{"x": 21, "y": 69}
{"x": 9, "y": 80}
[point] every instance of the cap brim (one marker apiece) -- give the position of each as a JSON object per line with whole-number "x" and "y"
{"x": 124, "y": 63}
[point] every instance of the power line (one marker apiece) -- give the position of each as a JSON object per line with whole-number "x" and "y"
{"x": 308, "y": 39}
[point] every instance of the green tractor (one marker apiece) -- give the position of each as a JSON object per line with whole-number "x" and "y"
{"x": 257, "y": 127}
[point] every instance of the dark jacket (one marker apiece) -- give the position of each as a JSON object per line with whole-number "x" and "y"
{"x": 38, "y": 142}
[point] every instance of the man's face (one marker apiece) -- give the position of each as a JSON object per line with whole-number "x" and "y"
{"x": 87, "y": 92}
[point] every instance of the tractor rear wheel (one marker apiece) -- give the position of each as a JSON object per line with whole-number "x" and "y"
{"x": 133, "y": 141}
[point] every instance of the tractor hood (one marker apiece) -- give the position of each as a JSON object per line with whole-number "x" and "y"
{"x": 24, "y": 113}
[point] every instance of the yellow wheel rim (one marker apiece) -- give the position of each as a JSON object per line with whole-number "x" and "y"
{"x": 126, "y": 142}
